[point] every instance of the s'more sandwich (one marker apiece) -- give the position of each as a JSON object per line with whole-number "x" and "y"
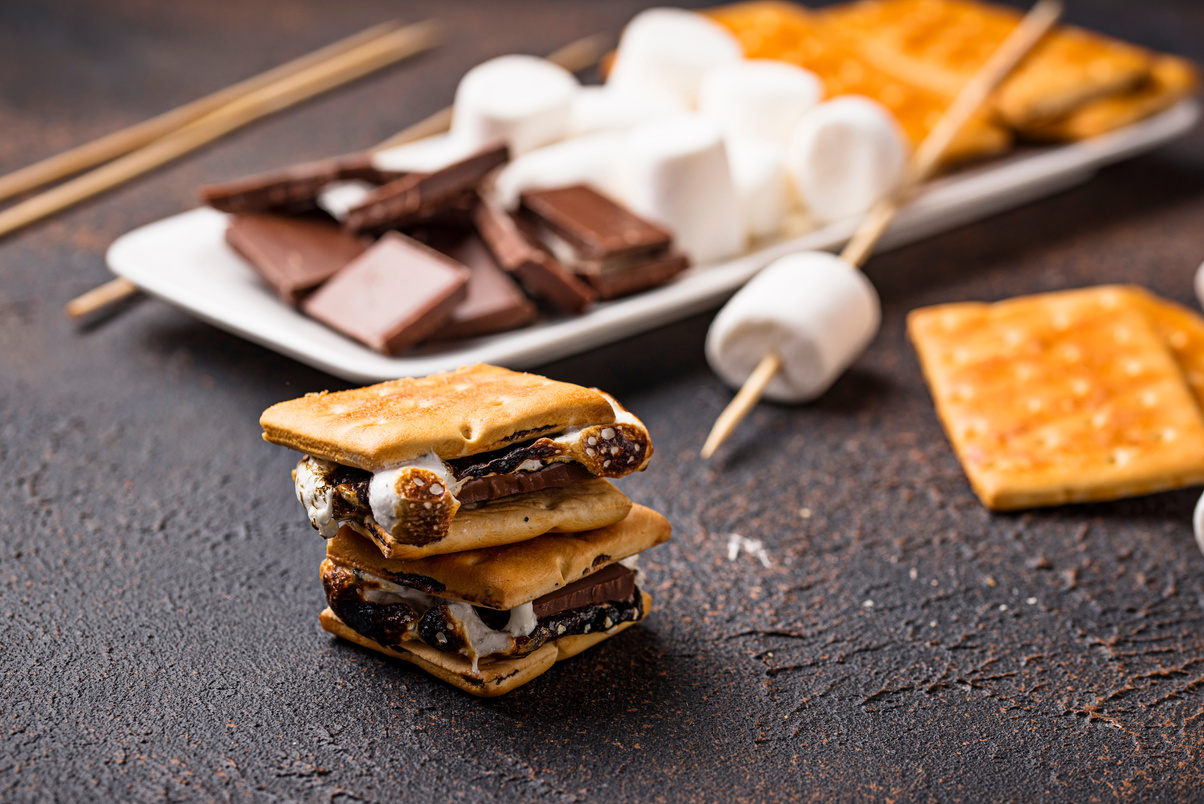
{"x": 471, "y": 528}
{"x": 466, "y": 459}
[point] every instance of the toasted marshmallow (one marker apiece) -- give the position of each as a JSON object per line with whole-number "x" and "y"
{"x": 339, "y": 197}
{"x": 759, "y": 173}
{"x": 588, "y": 160}
{"x": 1198, "y": 523}
{"x": 608, "y": 109}
{"x": 522, "y": 101}
{"x": 845, "y": 155}
{"x": 666, "y": 52}
{"x": 813, "y": 309}
{"x": 427, "y": 155}
{"x": 676, "y": 173}
{"x": 758, "y": 98}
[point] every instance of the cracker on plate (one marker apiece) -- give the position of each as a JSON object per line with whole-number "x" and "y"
{"x": 1061, "y": 397}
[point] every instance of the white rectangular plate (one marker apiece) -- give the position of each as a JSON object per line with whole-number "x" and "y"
{"x": 184, "y": 260}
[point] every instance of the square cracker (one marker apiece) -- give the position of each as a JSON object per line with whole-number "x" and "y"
{"x": 770, "y": 29}
{"x": 463, "y": 412}
{"x": 940, "y": 44}
{"x": 1062, "y": 397}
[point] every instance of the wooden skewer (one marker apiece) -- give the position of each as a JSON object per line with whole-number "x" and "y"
{"x": 129, "y": 139}
{"x": 574, "y": 57}
{"x": 924, "y": 161}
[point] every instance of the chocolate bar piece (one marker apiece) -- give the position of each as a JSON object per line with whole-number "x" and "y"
{"x": 292, "y": 254}
{"x": 494, "y": 303}
{"x": 493, "y": 487}
{"x": 611, "y": 584}
{"x": 419, "y": 197}
{"x": 611, "y": 248}
{"x": 291, "y": 189}
{"x": 394, "y": 295}
{"x": 595, "y": 227}
{"x": 536, "y": 269}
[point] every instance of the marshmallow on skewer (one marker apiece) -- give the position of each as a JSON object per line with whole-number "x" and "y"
{"x": 605, "y": 108}
{"x": 675, "y": 172}
{"x": 588, "y": 160}
{"x": 845, "y": 155}
{"x": 759, "y": 98}
{"x": 667, "y": 51}
{"x": 340, "y": 197}
{"x": 522, "y": 101}
{"x": 759, "y": 173}
{"x": 813, "y": 309}
{"x": 1200, "y": 285}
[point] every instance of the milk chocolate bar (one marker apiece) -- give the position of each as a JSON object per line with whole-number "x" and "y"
{"x": 291, "y": 189}
{"x": 494, "y": 302}
{"x": 394, "y": 295}
{"x": 534, "y": 267}
{"x": 420, "y": 197}
{"x": 610, "y": 584}
{"x": 293, "y": 255}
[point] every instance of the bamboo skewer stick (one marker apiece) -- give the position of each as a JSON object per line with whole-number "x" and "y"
{"x": 129, "y": 139}
{"x": 923, "y": 163}
{"x": 301, "y": 86}
{"x": 574, "y": 57}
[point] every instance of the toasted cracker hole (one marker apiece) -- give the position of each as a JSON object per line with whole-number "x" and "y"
{"x": 467, "y": 432}
{"x": 1149, "y": 399}
{"x": 1120, "y": 457}
{"x": 1169, "y": 434}
{"x": 1024, "y": 371}
{"x": 1122, "y": 334}
{"x": 1133, "y": 367}
{"x": 1072, "y": 354}
{"x": 1035, "y": 404}
{"x": 1080, "y": 387}
{"x": 1099, "y": 420}
{"x": 1177, "y": 339}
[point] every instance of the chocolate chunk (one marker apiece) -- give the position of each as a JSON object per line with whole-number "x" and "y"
{"x": 292, "y": 254}
{"x": 494, "y": 303}
{"x": 594, "y": 226}
{"x": 611, "y": 283}
{"x": 536, "y": 269}
{"x": 421, "y": 197}
{"x": 611, "y": 583}
{"x": 291, "y": 189}
{"x": 495, "y": 487}
{"x": 394, "y": 295}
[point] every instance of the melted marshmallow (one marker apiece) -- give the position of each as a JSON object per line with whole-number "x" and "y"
{"x": 316, "y": 494}
{"x": 383, "y": 498}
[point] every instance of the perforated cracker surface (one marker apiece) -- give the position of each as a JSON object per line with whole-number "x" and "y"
{"x": 1061, "y": 397}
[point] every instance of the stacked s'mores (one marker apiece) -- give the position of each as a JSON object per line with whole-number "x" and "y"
{"x": 472, "y": 529}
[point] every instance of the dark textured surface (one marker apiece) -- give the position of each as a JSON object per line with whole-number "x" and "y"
{"x": 158, "y": 582}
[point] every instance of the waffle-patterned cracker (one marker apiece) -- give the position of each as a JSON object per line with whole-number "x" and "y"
{"x": 940, "y": 44}
{"x": 786, "y": 32}
{"x": 1062, "y": 397}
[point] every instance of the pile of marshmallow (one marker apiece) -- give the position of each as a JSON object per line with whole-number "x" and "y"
{"x": 723, "y": 151}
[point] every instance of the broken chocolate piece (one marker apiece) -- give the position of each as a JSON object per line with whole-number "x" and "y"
{"x": 611, "y": 284}
{"x": 495, "y": 487}
{"x": 290, "y": 189}
{"x": 594, "y": 226}
{"x": 420, "y": 197}
{"x": 293, "y": 255}
{"x": 394, "y": 295}
{"x": 494, "y": 303}
{"x": 536, "y": 269}
{"x": 611, "y": 584}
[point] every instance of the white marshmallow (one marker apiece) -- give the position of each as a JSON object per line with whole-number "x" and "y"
{"x": 1200, "y": 284}
{"x": 759, "y": 98}
{"x": 675, "y": 172}
{"x": 845, "y": 155}
{"x": 523, "y": 101}
{"x": 588, "y": 160}
{"x": 759, "y": 172}
{"x": 1198, "y": 523}
{"x": 666, "y": 52}
{"x": 424, "y": 156}
{"x": 607, "y": 109}
{"x": 817, "y": 312}
{"x": 340, "y": 197}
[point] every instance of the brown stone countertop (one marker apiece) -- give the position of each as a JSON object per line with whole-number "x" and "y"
{"x": 158, "y": 581}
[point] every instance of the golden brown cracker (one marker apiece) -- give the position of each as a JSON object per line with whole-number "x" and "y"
{"x": 509, "y": 575}
{"x": 457, "y": 413}
{"x": 1061, "y": 397}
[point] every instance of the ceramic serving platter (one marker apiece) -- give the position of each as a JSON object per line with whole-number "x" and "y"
{"x": 184, "y": 260}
